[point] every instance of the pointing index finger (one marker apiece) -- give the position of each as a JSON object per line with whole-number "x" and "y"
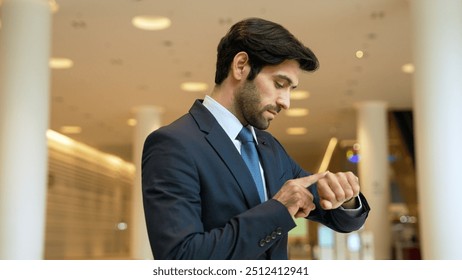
{"x": 309, "y": 180}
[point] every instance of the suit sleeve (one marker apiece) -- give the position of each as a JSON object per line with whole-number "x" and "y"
{"x": 339, "y": 219}
{"x": 173, "y": 210}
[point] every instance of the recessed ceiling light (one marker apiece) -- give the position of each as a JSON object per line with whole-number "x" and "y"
{"x": 151, "y": 22}
{"x": 296, "y": 130}
{"x": 299, "y": 94}
{"x": 359, "y": 54}
{"x": 71, "y": 129}
{"x": 122, "y": 226}
{"x": 297, "y": 112}
{"x": 408, "y": 68}
{"x": 132, "y": 122}
{"x": 194, "y": 86}
{"x": 60, "y": 63}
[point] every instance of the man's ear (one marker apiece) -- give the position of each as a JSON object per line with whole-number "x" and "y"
{"x": 240, "y": 67}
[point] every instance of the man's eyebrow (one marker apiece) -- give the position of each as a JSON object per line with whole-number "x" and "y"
{"x": 289, "y": 80}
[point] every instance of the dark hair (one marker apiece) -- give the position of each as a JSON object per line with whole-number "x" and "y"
{"x": 266, "y": 43}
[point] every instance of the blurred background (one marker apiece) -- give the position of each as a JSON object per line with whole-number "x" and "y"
{"x": 118, "y": 69}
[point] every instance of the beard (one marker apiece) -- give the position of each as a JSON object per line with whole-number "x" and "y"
{"x": 248, "y": 100}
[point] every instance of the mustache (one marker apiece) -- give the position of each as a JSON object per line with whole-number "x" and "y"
{"x": 274, "y": 108}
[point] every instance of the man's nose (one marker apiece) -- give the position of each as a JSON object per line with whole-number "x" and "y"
{"x": 284, "y": 100}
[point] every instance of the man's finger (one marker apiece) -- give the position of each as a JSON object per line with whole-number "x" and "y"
{"x": 309, "y": 180}
{"x": 326, "y": 204}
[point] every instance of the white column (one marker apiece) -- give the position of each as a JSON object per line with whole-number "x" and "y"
{"x": 148, "y": 119}
{"x": 438, "y": 130}
{"x": 24, "y": 110}
{"x": 372, "y": 132}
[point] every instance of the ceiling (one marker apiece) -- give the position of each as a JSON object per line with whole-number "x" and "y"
{"x": 118, "y": 67}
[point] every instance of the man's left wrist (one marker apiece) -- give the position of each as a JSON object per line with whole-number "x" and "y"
{"x": 351, "y": 203}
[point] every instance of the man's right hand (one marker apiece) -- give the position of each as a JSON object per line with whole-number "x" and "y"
{"x": 296, "y": 197}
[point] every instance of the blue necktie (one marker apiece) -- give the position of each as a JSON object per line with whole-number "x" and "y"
{"x": 250, "y": 155}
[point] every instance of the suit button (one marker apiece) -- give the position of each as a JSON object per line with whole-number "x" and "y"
{"x": 274, "y": 235}
{"x": 279, "y": 231}
{"x": 262, "y": 243}
{"x": 268, "y": 239}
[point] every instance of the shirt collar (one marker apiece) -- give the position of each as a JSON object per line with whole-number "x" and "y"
{"x": 231, "y": 125}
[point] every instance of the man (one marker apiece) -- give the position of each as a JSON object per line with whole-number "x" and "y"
{"x": 201, "y": 200}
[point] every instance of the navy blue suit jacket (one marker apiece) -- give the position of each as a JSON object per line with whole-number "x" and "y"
{"x": 200, "y": 200}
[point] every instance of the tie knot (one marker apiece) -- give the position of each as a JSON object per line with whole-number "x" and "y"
{"x": 245, "y": 135}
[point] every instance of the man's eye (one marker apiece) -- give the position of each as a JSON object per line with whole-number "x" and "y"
{"x": 279, "y": 85}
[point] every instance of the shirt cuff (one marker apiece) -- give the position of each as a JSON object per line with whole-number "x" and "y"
{"x": 354, "y": 211}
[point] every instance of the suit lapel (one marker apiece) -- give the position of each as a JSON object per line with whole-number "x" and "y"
{"x": 224, "y": 147}
{"x": 269, "y": 163}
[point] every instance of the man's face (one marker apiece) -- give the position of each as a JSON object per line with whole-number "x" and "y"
{"x": 259, "y": 101}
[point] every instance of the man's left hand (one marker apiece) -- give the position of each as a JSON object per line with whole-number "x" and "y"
{"x": 336, "y": 189}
